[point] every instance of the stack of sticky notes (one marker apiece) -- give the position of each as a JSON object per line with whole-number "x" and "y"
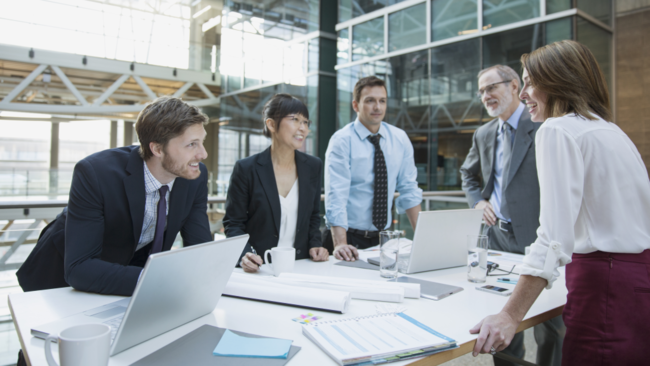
{"x": 233, "y": 345}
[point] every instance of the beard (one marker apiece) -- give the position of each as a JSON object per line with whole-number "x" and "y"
{"x": 503, "y": 105}
{"x": 179, "y": 169}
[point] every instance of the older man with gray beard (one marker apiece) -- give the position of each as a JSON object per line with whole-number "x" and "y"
{"x": 503, "y": 155}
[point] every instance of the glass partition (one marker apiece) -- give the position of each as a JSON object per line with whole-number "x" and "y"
{"x": 368, "y": 39}
{"x": 451, "y": 18}
{"x": 554, "y": 6}
{"x": 502, "y": 12}
{"x": 407, "y": 28}
{"x": 349, "y": 9}
{"x": 599, "y": 9}
{"x": 599, "y": 42}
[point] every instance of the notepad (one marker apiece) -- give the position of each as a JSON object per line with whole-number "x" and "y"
{"x": 233, "y": 345}
{"x": 376, "y": 339}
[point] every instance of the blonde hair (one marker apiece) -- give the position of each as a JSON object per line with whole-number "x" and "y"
{"x": 568, "y": 73}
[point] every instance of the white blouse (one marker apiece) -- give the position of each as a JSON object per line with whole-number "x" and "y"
{"x": 289, "y": 217}
{"x": 594, "y": 194}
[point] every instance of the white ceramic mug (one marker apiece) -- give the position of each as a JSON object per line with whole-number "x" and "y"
{"x": 81, "y": 345}
{"x": 283, "y": 259}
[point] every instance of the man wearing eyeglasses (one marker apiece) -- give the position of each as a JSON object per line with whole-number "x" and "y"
{"x": 503, "y": 155}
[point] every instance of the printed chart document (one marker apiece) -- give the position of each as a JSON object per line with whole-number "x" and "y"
{"x": 376, "y": 339}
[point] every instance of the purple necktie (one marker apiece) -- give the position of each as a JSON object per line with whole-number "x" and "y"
{"x": 160, "y": 221}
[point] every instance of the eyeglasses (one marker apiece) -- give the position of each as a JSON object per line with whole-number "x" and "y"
{"x": 490, "y": 88}
{"x": 297, "y": 122}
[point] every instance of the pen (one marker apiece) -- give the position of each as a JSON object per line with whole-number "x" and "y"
{"x": 503, "y": 279}
{"x": 255, "y": 252}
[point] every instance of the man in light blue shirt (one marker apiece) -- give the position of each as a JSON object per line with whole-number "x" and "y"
{"x": 360, "y": 181}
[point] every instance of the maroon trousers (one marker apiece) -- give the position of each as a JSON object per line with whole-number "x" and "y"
{"x": 607, "y": 314}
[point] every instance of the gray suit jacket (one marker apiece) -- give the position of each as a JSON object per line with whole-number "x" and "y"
{"x": 522, "y": 185}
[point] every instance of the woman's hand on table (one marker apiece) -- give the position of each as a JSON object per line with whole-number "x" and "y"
{"x": 319, "y": 254}
{"x": 251, "y": 262}
{"x": 495, "y": 331}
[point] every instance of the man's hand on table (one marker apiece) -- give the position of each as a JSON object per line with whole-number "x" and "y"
{"x": 319, "y": 254}
{"x": 346, "y": 252}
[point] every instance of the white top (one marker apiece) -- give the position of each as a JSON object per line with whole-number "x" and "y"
{"x": 594, "y": 194}
{"x": 289, "y": 217}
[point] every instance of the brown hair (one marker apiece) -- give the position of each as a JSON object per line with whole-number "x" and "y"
{"x": 505, "y": 72}
{"x": 568, "y": 73}
{"x": 280, "y": 106}
{"x": 368, "y": 81}
{"x": 162, "y": 120}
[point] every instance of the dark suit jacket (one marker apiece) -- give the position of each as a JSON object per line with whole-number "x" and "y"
{"x": 253, "y": 203}
{"x": 522, "y": 185}
{"x": 92, "y": 243}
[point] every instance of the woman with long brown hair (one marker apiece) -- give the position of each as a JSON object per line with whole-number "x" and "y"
{"x": 595, "y": 208}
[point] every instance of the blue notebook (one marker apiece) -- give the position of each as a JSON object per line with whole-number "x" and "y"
{"x": 234, "y": 345}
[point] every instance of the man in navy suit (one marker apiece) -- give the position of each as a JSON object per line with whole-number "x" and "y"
{"x": 101, "y": 241}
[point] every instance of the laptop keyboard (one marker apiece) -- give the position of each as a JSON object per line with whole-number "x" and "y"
{"x": 115, "y": 325}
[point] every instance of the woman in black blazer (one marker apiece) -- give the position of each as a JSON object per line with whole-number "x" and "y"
{"x": 274, "y": 196}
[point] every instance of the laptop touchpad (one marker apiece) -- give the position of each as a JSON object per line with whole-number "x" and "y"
{"x": 109, "y": 313}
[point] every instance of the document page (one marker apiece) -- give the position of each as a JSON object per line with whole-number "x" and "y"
{"x": 354, "y": 340}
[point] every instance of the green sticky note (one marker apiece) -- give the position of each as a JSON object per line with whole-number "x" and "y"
{"x": 234, "y": 345}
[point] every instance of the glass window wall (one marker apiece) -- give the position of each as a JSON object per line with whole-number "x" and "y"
{"x": 451, "y": 18}
{"x": 506, "y": 48}
{"x": 349, "y": 9}
{"x": 599, "y": 9}
{"x": 368, "y": 39}
{"x": 599, "y": 42}
{"x": 407, "y": 28}
{"x": 342, "y": 46}
{"x": 502, "y": 12}
{"x": 555, "y": 6}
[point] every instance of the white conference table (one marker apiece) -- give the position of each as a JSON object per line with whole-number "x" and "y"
{"x": 452, "y": 316}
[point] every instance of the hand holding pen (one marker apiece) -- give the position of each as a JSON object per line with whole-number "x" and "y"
{"x": 251, "y": 262}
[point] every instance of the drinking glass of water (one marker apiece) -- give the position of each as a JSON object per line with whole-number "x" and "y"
{"x": 389, "y": 253}
{"x": 477, "y": 249}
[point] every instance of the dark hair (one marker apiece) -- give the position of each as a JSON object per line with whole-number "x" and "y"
{"x": 280, "y": 106}
{"x": 162, "y": 120}
{"x": 368, "y": 81}
{"x": 568, "y": 73}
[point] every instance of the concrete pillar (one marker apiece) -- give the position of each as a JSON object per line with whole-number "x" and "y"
{"x": 113, "y": 134}
{"x": 54, "y": 158}
{"x": 128, "y": 133}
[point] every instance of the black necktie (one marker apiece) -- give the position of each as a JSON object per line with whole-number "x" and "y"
{"x": 380, "y": 200}
{"x": 160, "y": 221}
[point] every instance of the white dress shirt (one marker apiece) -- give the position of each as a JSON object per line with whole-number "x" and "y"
{"x": 289, "y": 217}
{"x": 152, "y": 196}
{"x": 594, "y": 194}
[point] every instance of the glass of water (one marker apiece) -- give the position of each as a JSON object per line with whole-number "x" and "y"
{"x": 477, "y": 250}
{"x": 389, "y": 253}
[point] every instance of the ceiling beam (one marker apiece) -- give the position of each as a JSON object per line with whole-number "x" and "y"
{"x": 61, "y": 59}
{"x": 70, "y": 86}
{"x": 23, "y": 84}
{"x": 110, "y": 90}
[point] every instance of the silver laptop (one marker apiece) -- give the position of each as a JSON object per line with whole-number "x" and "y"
{"x": 175, "y": 288}
{"x": 440, "y": 240}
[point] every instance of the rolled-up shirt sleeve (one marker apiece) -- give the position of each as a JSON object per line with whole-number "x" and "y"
{"x": 560, "y": 167}
{"x": 337, "y": 181}
{"x": 410, "y": 195}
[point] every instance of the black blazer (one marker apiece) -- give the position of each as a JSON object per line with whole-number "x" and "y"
{"x": 253, "y": 203}
{"x": 91, "y": 244}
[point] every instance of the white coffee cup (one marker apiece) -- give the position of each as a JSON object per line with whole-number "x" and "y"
{"x": 81, "y": 345}
{"x": 283, "y": 259}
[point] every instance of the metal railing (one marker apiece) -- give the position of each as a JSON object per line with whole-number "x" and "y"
{"x": 22, "y": 219}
